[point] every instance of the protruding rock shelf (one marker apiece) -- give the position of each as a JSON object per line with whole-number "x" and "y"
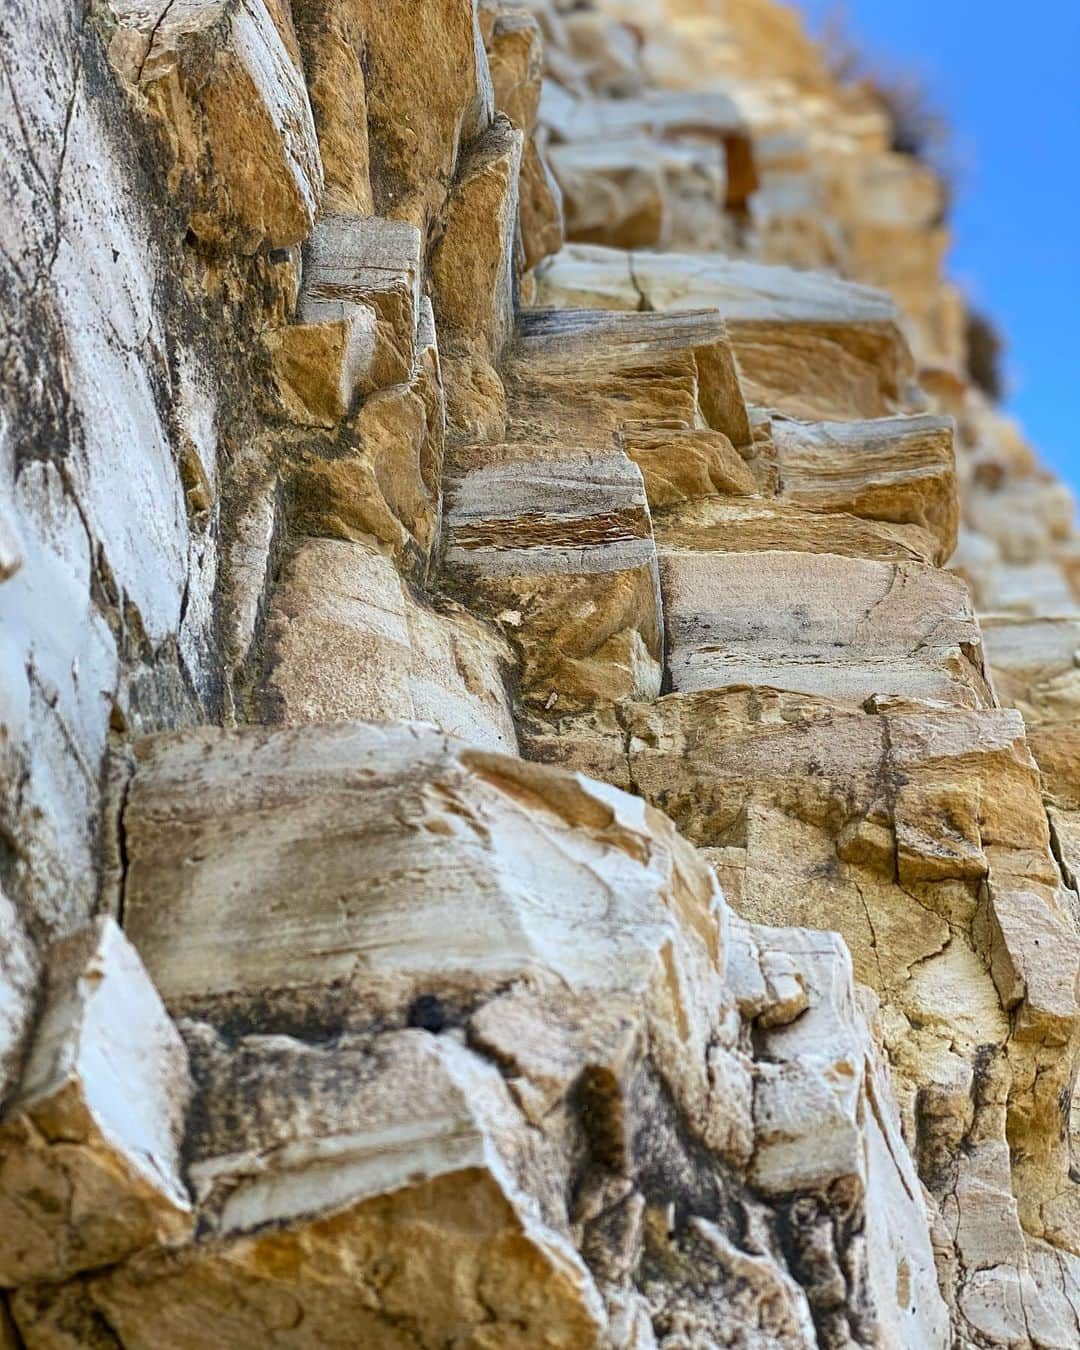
{"x": 539, "y": 720}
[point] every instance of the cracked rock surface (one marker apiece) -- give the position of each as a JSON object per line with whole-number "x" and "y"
{"x": 539, "y": 727}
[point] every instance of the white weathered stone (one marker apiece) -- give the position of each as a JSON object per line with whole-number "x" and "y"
{"x": 361, "y": 935}
{"x": 824, "y": 1115}
{"x": 89, "y": 1147}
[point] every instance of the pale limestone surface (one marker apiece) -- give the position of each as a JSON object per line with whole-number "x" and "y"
{"x": 819, "y": 624}
{"x": 562, "y": 1073}
{"x": 303, "y": 423}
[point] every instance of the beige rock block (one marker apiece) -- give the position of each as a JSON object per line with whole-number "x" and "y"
{"x": 1025, "y": 519}
{"x": 1035, "y": 665}
{"x": 998, "y": 1299}
{"x": 90, "y": 1144}
{"x": 1056, "y": 747}
{"x": 580, "y": 375}
{"x": 1057, "y": 1274}
{"x": 632, "y": 191}
{"x": 1034, "y": 957}
{"x": 679, "y": 464}
{"x": 714, "y": 524}
{"x": 976, "y": 560}
{"x": 614, "y": 191}
{"x": 358, "y": 313}
{"x": 246, "y": 555}
{"x": 382, "y": 479}
{"x": 798, "y": 872}
{"x": 843, "y": 628}
{"x": 346, "y": 639}
{"x": 896, "y": 469}
{"x": 797, "y": 751}
{"x": 604, "y": 51}
{"x": 592, "y": 741}
{"x": 474, "y": 263}
{"x": 385, "y": 1193}
{"x": 434, "y": 895}
{"x": 428, "y": 95}
{"x": 353, "y": 260}
{"x": 475, "y": 400}
{"x": 559, "y": 552}
{"x": 514, "y": 43}
{"x": 742, "y": 291}
{"x": 825, "y": 1118}
{"x": 661, "y": 114}
{"x": 893, "y": 189}
{"x": 685, "y": 147}
{"x": 230, "y": 98}
{"x": 1030, "y": 589}
{"x": 331, "y": 40}
{"x": 792, "y": 227}
{"x": 808, "y": 345}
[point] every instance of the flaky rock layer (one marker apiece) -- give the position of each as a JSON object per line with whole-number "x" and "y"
{"x": 539, "y": 733}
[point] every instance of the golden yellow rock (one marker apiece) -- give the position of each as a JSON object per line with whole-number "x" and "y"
{"x": 428, "y": 95}
{"x": 679, "y": 464}
{"x": 474, "y": 264}
{"x": 331, "y": 40}
{"x": 515, "y": 57}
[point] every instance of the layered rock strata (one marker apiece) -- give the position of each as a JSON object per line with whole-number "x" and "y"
{"x": 538, "y": 795}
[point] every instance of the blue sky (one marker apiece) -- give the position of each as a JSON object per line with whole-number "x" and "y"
{"x": 1008, "y": 78}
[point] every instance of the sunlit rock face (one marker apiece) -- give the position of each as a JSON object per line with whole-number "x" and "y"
{"x": 539, "y": 753}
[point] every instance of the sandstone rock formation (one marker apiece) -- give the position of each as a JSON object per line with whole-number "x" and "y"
{"x": 539, "y": 734}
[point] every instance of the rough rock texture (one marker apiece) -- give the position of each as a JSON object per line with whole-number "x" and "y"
{"x": 539, "y": 784}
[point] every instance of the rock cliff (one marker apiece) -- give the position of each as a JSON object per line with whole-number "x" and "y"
{"x": 539, "y": 714}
